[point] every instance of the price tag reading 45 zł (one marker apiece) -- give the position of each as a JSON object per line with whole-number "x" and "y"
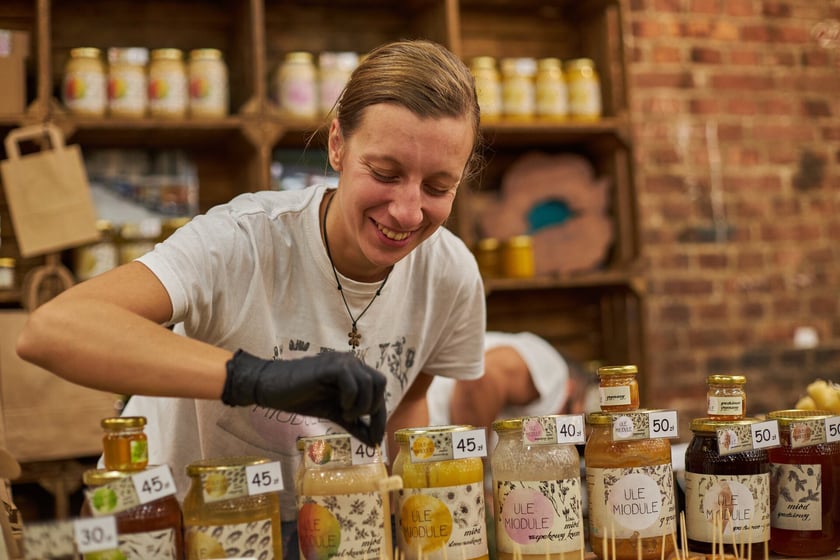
{"x": 153, "y": 484}
{"x": 264, "y": 478}
{"x": 472, "y": 443}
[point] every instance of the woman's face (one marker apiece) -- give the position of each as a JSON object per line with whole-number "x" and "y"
{"x": 398, "y": 177}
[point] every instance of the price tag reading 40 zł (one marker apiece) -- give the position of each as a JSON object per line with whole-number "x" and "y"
{"x": 95, "y": 534}
{"x": 153, "y": 484}
{"x": 471, "y": 443}
{"x": 264, "y": 478}
{"x": 570, "y": 429}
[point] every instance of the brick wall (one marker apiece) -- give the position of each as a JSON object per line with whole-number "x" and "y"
{"x": 736, "y": 109}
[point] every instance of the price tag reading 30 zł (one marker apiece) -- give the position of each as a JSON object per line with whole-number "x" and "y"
{"x": 472, "y": 443}
{"x": 95, "y": 534}
{"x": 264, "y": 478}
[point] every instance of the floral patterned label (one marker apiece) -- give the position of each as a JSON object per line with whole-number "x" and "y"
{"x": 441, "y": 523}
{"x": 538, "y": 516}
{"x": 347, "y": 526}
{"x": 796, "y": 497}
{"x": 250, "y": 540}
{"x": 159, "y": 545}
{"x": 727, "y": 504}
{"x": 630, "y": 502}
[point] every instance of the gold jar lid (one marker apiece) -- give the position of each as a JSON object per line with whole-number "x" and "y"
{"x": 205, "y": 54}
{"x": 326, "y": 438}
{"x": 123, "y": 422}
{"x": 519, "y": 241}
{"x": 85, "y": 52}
{"x": 220, "y": 464}
{"x": 508, "y": 424}
{"x": 579, "y": 64}
{"x": 726, "y": 380}
{"x": 550, "y": 63}
{"x": 609, "y": 371}
{"x": 138, "y": 56}
{"x": 487, "y": 244}
{"x": 598, "y": 418}
{"x": 167, "y": 54}
{"x": 710, "y": 425}
{"x": 100, "y": 477}
{"x": 404, "y": 435}
{"x": 483, "y": 63}
{"x": 7, "y": 262}
{"x": 788, "y": 417}
{"x": 299, "y": 56}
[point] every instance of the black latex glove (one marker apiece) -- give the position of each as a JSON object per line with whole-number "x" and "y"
{"x": 332, "y": 385}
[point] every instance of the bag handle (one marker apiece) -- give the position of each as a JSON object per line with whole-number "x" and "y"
{"x": 33, "y": 132}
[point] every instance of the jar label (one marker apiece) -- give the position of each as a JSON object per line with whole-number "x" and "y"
{"x": 343, "y": 527}
{"x": 796, "y": 499}
{"x": 806, "y": 432}
{"x": 85, "y": 91}
{"x": 726, "y": 406}
{"x": 615, "y": 396}
{"x": 127, "y": 92}
{"x": 584, "y": 98}
{"x": 209, "y": 91}
{"x": 552, "y": 98}
{"x": 331, "y": 450}
{"x": 538, "y": 516}
{"x": 167, "y": 92}
{"x": 631, "y": 502}
{"x": 141, "y": 546}
{"x": 730, "y": 505}
{"x": 441, "y": 523}
{"x": 253, "y": 539}
{"x": 224, "y": 485}
{"x": 551, "y": 430}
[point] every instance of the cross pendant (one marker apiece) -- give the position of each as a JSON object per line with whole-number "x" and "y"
{"x": 355, "y": 337}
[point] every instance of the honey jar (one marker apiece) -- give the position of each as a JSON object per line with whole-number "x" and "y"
{"x": 297, "y": 86}
{"x": 725, "y": 398}
{"x": 168, "y": 96}
{"x": 487, "y": 255}
{"x": 536, "y": 491}
{"x": 517, "y": 257}
{"x": 127, "y": 83}
{"x": 630, "y": 484}
{"x": 519, "y": 88}
{"x": 618, "y": 388}
{"x": 208, "y": 84}
{"x": 221, "y": 518}
{"x": 804, "y": 485}
{"x": 488, "y": 87}
{"x": 124, "y": 444}
{"x": 727, "y": 496}
{"x": 339, "y": 486}
{"x": 440, "y": 512}
{"x": 552, "y": 97}
{"x": 99, "y": 256}
{"x": 145, "y": 530}
{"x": 84, "y": 87}
{"x": 584, "y": 87}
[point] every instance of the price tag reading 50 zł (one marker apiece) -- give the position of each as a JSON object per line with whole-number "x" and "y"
{"x": 832, "y": 429}
{"x": 264, "y": 478}
{"x": 765, "y": 434}
{"x": 472, "y": 443}
{"x": 153, "y": 484}
{"x": 95, "y": 534}
{"x": 663, "y": 424}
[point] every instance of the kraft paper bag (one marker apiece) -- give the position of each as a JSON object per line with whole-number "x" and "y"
{"x": 48, "y": 193}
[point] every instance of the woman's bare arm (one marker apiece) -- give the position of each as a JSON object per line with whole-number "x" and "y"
{"x": 106, "y": 333}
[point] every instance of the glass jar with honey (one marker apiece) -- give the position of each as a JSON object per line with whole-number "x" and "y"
{"x": 618, "y": 388}
{"x": 124, "y": 444}
{"x": 725, "y": 398}
{"x": 536, "y": 491}
{"x": 342, "y": 486}
{"x": 84, "y": 88}
{"x": 804, "y": 485}
{"x": 630, "y": 484}
{"x": 145, "y": 530}
{"x": 221, "y": 518}
{"x": 727, "y": 496}
{"x": 440, "y": 512}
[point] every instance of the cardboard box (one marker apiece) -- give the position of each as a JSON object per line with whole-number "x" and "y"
{"x": 45, "y": 417}
{"x": 14, "y": 49}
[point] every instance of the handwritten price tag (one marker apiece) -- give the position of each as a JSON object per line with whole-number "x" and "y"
{"x": 570, "y": 429}
{"x": 663, "y": 424}
{"x": 264, "y": 478}
{"x": 153, "y": 484}
{"x": 472, "y": 443}
{"x": 95, "y": 534}
{"x": 832, "y": 429}
{"x": 765, "y": 434}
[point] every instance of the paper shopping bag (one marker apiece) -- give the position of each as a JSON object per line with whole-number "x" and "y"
{"x": 48, "y": 193}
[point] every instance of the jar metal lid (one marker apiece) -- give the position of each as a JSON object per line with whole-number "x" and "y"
{"x": 167, "y": 54}
{"x": 299, "y": 56}
{"x": 788, "y": 417}
{"x": 710, "y": 425}
{"x": 85, "y": 52}
{"x": 123, "y": 422}
{"x": 726, "y": 379}
{"x": 519, "y": 241}
{"x": 218, "y": 464}
{"x": 487, "y": 244}
{"x": 508, "y": 424}
{"x": 205, "y": 54}
{"x": 404, "y": 435}
{"x": 138, "y": 56}
{"x": 484, "y": 62}
{"x": 100, "y": 477}
{"x": 577, "y": 63}
{"x": 7, "y": 262}
{"x": 598, "y": 418}
{"x": 550, "y": 63}
{"x": 607, "y": 371}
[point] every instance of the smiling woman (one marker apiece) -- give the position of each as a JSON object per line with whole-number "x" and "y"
{"x": 259, "y": 356}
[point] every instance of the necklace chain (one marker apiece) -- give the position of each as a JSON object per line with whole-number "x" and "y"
{"x": 354, "y": 336}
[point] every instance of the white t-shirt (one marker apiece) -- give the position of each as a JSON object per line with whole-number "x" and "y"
{"x": 254, "y": 274}
{"x": 549, "y": 372}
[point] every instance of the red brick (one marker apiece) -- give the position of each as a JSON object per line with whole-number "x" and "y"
{"x": 746, "y": 57}
{"x": 705, "y": 6}
{"x": 739, "y": 8}
{"x": 776, "y": 9}
{"x": 675, "y": 313}
{"x": 706, "y": 55}
{"x": 751, "y": 310}
{"x": 676, "y": 79}
{"x": 704, "y": 106}
{"x": 673, "y": 6}
{"x": 816, "y": 108}
{"x": 762, "y": 186}
{"x": 791, "y": 34}
{"x": 741, "y": 82}
{"x": 823, "y": 306}
{"x": 750, "y": 208}
{"x": 799, "y": 132}
{"x": 697, "y": 28}
{"x": 712, "y": 311}
{"x": 699, "y": 338}
{"x": 742, "y": 106}
{"x": 750, "y": 260}
{"x": 687, "y": 287}
{"x": 785, "y": 306}
{"x": 679, "y": 261}
{"x": 816, "y": 58}
{"x": 723, "y": 30}
{"x": 757, "y": 33}
{"x": 663, "y": 184}
{"x": 666, "y": 54}
{"x": 778, "y": 107}
{"x": 713, "y": 261}
{"x": 781, "y": 58}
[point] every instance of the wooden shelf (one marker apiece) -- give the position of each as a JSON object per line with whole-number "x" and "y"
{"x": 614, "y": 278}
